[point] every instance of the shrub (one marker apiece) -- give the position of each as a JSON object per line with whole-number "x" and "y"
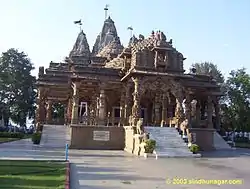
{"x": 12, "y": 135}
{"x": 150, "y": 146}
{"x": 194, "y": 148}
{"x": 36, "y": 138}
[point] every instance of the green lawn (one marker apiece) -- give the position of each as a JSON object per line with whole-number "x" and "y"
{"x": 242, "y": 144}
{"x": 3, "y": 140}
{"x": 32, "y": 175}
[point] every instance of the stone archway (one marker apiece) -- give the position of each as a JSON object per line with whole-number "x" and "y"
{"x": 162, "y": 88}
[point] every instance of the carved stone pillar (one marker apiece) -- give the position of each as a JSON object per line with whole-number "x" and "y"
{"x": 93, "y": 110}
{"x": 188, "y": 108}
{"x": 209, "y": 112}
{"x": 127, "y": 104}
{"x": 122, "y": 107}
{"x": 136, "y": 98}
{"x": 179, "y": 112}
{"x": 40, "y": 111}
{"x": 75, "y": 104}
{"x": 102, "y": 107}
{"x": 69, "y": 110}
{"x": 157, "y": 112}
{"x": 164, "y": 111}
{"x": 198, "y": 113}
{"x": 217, "y": 114}
{"x": 49, "y": 112}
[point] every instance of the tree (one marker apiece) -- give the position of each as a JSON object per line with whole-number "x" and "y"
{"x": 210, "y": 69}
{"x": 237, "y": 108}
{"x": 17, "y": 86}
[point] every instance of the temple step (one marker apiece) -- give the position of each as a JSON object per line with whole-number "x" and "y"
{"x": 54, "y": 136}
{"x": 219, "y": 142}
{"x": 168, "y": 142}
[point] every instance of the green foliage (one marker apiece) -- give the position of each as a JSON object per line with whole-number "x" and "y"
{"x": 210, "y": 69}
{"x": 17, "y": 86}
{"x": 236, "y": 111}
{"x": 36, "y": 138}
{"x": 58, "y": 110}
{"x": 194, "y": 148}
{"x": 150, "y": 146}
{"x": 11, "y": 135}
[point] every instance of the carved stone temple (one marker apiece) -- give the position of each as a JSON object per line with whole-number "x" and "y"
{"x": 112, "y": 87}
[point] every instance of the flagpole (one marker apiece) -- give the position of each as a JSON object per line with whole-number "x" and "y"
{"x": 106, "y": 11}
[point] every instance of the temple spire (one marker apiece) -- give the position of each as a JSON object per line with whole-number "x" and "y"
{"x": 106, "y": 8}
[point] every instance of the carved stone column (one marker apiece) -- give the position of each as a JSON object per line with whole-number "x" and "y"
{"x": 198, "y": 113}
{"x": 217, "y": 114}
{"x": 127, "y": 104}
{"x": 102, "y": 107}
{"x": 164, "y": 111}
{"x": 69, "y": 110}
{"x": 93, "y": 110}
{"x": 209, "y": 112}
{"x": 179, "y": 112}
{"x": 136, "y": 98}
{"x": 122, "y": 107}
{"x": 188, "y": 110}
{"x": 49, "y": 112}
{"x": 157, "y": 112}
{"x": 40, "y": 111}
{"x": 75, "y": 104}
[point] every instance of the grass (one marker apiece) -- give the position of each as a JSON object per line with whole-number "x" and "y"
{"x": 3, "y": 140}
{"x": 242, "y": 144}
{"x": 32, "y": 174}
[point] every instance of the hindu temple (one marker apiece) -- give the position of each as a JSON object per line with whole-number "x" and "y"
{"x": 113, "y": 86}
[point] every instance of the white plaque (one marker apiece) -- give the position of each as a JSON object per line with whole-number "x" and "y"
{"x": 101, "y": 135}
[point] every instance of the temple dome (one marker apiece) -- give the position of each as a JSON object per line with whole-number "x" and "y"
{"x": 107, "y": 35}
{"x": 81, "y": 46}
{"x": 112, "y": 50}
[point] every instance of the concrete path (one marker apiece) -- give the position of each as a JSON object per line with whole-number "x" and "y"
{"x": 24, "y": 149}
{"x": 118, "y": 170}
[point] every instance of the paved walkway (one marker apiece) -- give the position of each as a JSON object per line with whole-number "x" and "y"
{"x": 118, "y": 170}
{"x": 24, "y": 149}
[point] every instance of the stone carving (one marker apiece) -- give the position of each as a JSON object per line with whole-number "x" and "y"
{"x": 107, "y": 35}
{"x": 139, "y": 126}
{"x": 41, "y": 71}
{"x": 81, "y": 47}
{"x": 193, "y": 107}
{"x": 141, "y": 37}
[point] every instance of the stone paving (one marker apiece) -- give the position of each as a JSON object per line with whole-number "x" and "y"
{"x": 118, "y": 170}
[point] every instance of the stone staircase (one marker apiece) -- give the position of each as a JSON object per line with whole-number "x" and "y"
{"x": 55, "y": 136}
{"x": 168, "y": 142}
{"x": 220, "y": 143}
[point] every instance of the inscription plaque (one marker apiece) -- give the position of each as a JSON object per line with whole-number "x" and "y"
{"x": 101, "y": 135}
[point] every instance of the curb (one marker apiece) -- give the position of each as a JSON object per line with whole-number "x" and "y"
{"x": 67, "y": 181}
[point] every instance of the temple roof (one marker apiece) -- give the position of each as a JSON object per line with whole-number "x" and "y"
{"x": 108, "y": 34}
{"x": 112, "y": 49}
{"x": 81, "y": 46}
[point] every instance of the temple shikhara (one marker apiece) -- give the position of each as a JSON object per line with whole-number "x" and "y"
{"x": 113, "y": 87}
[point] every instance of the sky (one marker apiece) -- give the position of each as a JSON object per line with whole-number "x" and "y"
{"x": 203, "y": 30}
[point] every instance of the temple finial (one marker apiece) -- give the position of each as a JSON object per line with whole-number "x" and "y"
{"x": 79, "y": 22}
{"x": 106, "y": 8}
{"x": 131, "y": 31}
